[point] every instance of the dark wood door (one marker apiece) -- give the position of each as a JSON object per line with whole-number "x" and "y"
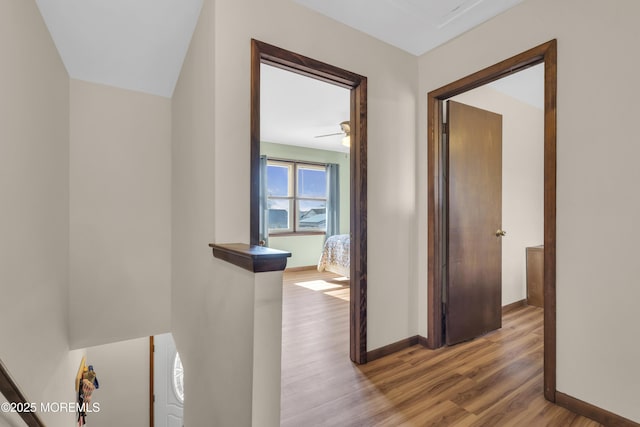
{"x": 473, "y": 288}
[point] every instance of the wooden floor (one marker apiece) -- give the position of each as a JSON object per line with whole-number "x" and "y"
{"x": 495, "y": 380}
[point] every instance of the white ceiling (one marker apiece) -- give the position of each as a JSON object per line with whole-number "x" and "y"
{"x": 131, "y": 44}
{"x": 415, "y": 26}
{"x": 140, "y": 45}
{"x": 526, "y": 86}
{"x": 295, "y": 109}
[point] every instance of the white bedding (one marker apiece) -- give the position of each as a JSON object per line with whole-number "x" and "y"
{"x": 336, "y": 255}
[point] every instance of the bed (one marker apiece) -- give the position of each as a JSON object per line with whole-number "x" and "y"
{"x": 336, "y": 255}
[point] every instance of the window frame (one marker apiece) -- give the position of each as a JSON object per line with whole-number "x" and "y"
{"x": 294, "y": 198}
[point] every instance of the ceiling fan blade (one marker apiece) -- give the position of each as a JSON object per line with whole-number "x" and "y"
{"x": 329, "y": 134}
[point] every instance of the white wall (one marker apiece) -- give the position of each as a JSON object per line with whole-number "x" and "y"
{"x": 522, "y": 182}
{"x": 120, "y": 210}
{"x": 34, "y": 218}
{"x": 193, "y": 273}
{"x": 391, "y": 77}
{"x": 122, "y": 370}
{"x": 306, "y": 250}
{"x": 596, "y": 181}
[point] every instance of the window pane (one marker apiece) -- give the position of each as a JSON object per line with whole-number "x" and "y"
{"x": 178, "y": 378}
{"x": 280, "y": 214}
{"x": 312, "y": 182}
{"x": 278, "y": 180}
{"x": 312, "y": 215}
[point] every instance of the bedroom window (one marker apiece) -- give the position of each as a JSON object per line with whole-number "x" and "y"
{"x": 296, "y": 197}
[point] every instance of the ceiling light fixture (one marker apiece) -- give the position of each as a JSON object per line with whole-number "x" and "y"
{"x": 346, "y": 131}
{"x": 346, "y": 128}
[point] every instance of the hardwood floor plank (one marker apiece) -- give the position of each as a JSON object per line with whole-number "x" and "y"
{"x": 493, "y": 380}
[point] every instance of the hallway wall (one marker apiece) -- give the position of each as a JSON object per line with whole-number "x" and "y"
{"x": 120, "y": 214}
{"x": 211, "y": 167}
{"x": 596, "y": 180}
{"x": 34, "y": 218}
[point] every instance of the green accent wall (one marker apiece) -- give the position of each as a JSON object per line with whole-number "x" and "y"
{"x": 305, "y": 250}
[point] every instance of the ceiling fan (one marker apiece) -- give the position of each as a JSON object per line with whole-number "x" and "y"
{"x": 346, "y": 131}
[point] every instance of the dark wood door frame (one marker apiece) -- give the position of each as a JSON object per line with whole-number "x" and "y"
{"x": 268, "y": 54}
{"x": 547, "y": 54}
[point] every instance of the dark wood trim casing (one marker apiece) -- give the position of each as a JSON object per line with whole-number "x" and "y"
{"x": 588, "y": 410}
{"x": 358, "y": 223}
{"x": 268, "y": 54}
{"x": 258, "y": 259}
{"x": 550, "y": 168}
{"x": 545, "y": 53}
{"x": 13, "y": 394}
{"x": 392, "y": 348}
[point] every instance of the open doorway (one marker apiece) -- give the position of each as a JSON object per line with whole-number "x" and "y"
{"x": 304, "y": 148}
{"x": 305, "y": 207}
{"x": 495, "y": 202}
{"x": 438, "y": 187}
{"x": 263, "y": 53}
{"x": 519, "y": 99}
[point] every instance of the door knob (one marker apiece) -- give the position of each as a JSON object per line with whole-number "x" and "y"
{"x": 501, "y": 233}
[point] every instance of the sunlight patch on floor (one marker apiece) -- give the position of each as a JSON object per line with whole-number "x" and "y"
{"x": 318, "y": 285}
{"x": 343, "y": 294}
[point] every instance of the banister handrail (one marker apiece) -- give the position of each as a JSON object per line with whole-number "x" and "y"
{"x": 13, "y": 394}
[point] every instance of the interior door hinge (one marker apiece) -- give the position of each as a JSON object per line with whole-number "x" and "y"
{"x": 445, "y": 128}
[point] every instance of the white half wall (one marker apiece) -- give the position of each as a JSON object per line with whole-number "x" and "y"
{"x": 120, "y": 214}
{"x": 597, "y": 178}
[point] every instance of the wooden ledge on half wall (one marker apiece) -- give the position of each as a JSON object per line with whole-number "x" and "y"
{"x": 258, "y": 259}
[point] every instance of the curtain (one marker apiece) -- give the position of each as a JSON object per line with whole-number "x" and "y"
{"x": 264, "y": 205}
{"x": 333, "y": 200}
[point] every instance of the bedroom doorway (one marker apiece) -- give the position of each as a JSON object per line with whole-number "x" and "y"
{"x": 263, "y": 54}
{"x": 438, "y": 229}
{"x": 305, "y": 168}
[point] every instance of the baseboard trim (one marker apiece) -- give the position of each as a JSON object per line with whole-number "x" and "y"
{"x": 510, "y": 307}
{"x": 588, "y": 410}
{"x": 303, "y": 268}
{"x": 419, "y": 339}
{"x": 423, "y": 341}
{"x": 391, "y": 348}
